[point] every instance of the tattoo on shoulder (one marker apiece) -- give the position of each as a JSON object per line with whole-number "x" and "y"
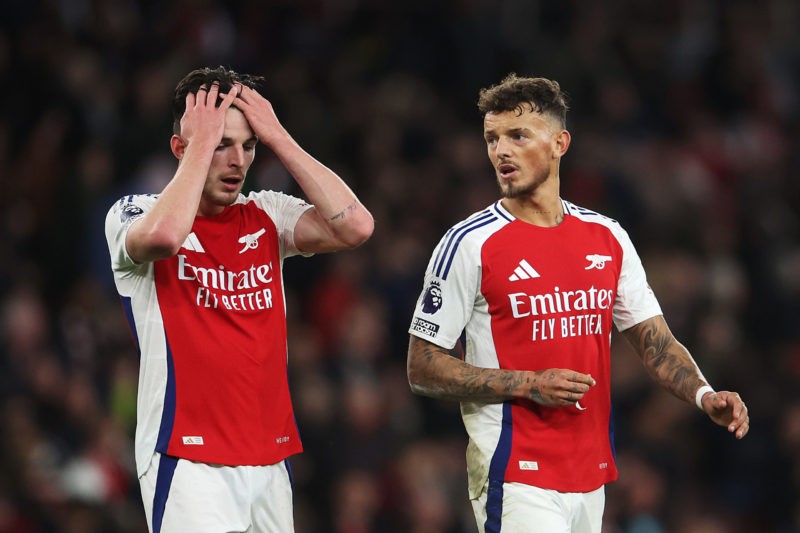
{"x": 343, "y": 213}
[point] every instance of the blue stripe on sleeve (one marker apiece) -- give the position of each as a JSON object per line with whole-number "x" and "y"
{"x": 453, "y": 235}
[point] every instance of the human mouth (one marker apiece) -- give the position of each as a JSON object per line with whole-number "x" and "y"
{"x": 506, "y": 170}
{"x": 231, "y": 183}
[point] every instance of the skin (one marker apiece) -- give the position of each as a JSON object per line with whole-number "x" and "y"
{"x": 215, "y": 149}
{"x": 525, "y": 151}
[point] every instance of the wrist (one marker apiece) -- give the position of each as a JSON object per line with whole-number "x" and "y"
{"x": 701, "y": 392}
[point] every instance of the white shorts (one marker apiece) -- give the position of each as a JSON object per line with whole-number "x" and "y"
{"x": 181, "y": 495}
{"x": 524, "y": 508}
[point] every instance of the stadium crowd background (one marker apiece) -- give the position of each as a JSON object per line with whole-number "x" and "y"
{"x": 685, "y": 129}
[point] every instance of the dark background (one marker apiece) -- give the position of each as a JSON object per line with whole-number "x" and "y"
{"x": 684, "y": 123}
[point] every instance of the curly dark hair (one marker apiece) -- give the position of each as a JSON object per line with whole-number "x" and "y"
{"x": 520, "y": 94}
{"x": 225, "y": 77}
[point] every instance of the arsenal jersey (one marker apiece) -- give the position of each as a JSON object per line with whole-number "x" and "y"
{"x": 532, "y": 298}
{"x": 210, "y": 325}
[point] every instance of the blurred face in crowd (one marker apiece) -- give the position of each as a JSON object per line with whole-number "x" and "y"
{"x": 524, "y": 148}
{"x": 232, "y": 158}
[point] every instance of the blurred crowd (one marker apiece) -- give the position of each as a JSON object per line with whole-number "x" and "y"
{"x": 684, "y": 118}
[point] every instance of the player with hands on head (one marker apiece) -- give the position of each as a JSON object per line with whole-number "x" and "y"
{"x": 535, "y": 284}
{"x": 199, "y": 271}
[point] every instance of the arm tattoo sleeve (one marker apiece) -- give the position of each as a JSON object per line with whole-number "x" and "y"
{"x": 433, "y": 372}
{"x": 667, "y": 361}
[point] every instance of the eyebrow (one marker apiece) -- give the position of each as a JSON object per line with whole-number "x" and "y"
{"x": 509, "y": 131}
{"x": 229, "y": 140}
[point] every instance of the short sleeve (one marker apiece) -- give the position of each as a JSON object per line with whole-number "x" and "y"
{"x": 635, "y": 300}
{"x": 284, "y": 210}
{"x": 118, "y": 220}
{"x": 448, "y": 297}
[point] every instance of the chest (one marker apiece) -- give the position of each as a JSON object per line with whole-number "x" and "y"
{"x": 527, "y": 270}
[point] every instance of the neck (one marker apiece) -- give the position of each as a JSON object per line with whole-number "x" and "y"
{"x": 546, "y": 214}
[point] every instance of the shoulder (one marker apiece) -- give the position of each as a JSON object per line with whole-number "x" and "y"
{"x": 608, "y": 224}
{"x": 587, "y": 215}
{"x": 465, "y": 238}
{"x": 130, "y": 207}
{"x": 272, "y": 201}
{"x": 478, "y": 225}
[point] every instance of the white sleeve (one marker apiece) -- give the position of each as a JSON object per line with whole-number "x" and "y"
{"x": 285, "y": 211}
{"x": 448, "y": 297}
{"x": 118, "y": 220}
{"x": 635, "y": 300}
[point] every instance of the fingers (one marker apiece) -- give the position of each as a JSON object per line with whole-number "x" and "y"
{"x": 730, "y": 405}
{"x": 208, "y": 96}
{"x": 202, "y": 94}
{"x": 231, "y": 96}
{"x": 741, "y": 419}
{"x": 566, "y": 387}
{"x": 586, "y": 379}
{"x": 213, "y": 93}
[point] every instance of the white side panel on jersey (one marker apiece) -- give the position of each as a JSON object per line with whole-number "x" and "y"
{"x": 145, "y": 313}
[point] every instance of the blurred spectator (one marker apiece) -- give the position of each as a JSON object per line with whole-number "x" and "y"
{"x": 686, "y": 119}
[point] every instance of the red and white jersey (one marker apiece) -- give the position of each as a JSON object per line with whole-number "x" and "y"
{"x": 533, "y": 298}
{"x": 210, "y": 324}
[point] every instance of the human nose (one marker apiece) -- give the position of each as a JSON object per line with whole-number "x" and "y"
{"x": 501, "y": 147}
{"x": 237, "y": 157}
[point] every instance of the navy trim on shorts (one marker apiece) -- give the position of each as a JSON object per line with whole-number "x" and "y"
{"x": 497, "y": 474}
{"x": 166, "y": 469}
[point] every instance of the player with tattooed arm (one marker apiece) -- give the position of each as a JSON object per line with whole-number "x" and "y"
{"x": 536, "y": 284}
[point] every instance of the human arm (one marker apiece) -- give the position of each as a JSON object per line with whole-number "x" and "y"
{"x": 161, "y": 232}
{"x": 671, "y": 365}
{"x": 432, "y": 371}
{"x": 338, "y": 219}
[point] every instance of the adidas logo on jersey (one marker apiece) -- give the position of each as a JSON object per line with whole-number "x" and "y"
{"x": 523, "y": 271}
{"x": 193, "y": 244}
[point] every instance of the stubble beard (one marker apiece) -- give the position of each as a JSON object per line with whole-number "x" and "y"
{"x": 511, "y": 191}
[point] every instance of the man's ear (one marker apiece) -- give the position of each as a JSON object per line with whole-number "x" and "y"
{"x": 178, "y": 146}
{"x": 563, "y": 138}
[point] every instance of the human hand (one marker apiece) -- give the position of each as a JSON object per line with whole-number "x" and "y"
{"x": 559, "y": 387}
{"x": 727, "y": 409}
{"x": 259, "y": 114}
{"x": 202, "y": 119}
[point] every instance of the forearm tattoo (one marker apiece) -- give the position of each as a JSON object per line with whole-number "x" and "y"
{"x": 433, "y": 372}
{"x": 344, "y": 212}
{"x": 666, "y": 359}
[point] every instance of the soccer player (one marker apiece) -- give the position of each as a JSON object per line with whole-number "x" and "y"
{"x": 535, "y": 283}
{"x": 199, "y": 270}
